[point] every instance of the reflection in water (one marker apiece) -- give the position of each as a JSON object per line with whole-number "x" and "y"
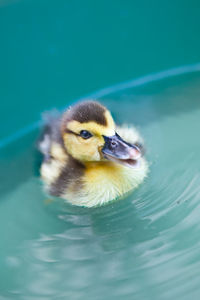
{"x": 146, "y": 246}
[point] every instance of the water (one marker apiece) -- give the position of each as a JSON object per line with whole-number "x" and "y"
{"x": 146, "y": 246}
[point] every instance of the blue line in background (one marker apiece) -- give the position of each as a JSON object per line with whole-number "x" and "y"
{"x": 110, "y": 90}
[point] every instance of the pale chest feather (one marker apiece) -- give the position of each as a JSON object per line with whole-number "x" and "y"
{"x": 104, "y": 182}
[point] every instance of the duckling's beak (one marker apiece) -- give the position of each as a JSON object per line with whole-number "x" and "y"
{"x": 117, "y": 150}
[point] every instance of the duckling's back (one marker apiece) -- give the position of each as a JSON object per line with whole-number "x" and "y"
{"x": 59, "y": 171}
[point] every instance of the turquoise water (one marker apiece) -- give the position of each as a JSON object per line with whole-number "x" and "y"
{"x": 147, "y": 246}
{"x": 143, "y": 247}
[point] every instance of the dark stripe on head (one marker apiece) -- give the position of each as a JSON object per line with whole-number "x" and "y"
{"x": 85, "y": 112}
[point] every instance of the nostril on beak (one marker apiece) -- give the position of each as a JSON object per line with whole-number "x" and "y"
{"x": 113, "y": 144}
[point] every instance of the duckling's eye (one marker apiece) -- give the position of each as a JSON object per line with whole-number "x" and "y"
{"x": 85, "y": 134}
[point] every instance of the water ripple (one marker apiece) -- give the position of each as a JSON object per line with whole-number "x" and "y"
{"x": 144, "y": 246}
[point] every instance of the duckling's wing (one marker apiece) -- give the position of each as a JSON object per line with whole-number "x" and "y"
{"x": 131, "y": 135}
{"x": 50, "y": 133}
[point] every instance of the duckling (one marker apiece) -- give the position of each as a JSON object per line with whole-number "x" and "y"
{"x": 87, "y": 159}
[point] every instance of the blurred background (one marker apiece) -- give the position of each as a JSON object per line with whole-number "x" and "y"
{"x": 52, "y": 52}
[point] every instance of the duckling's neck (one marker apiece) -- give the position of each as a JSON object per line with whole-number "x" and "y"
{"x": 105, "y": 181}
{"x": 90, "y": 183}
{"x": 106, "y": 172}
{"x": 106, "y": 176}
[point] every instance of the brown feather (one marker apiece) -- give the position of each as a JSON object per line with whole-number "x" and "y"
{"x": 85, "y": 112}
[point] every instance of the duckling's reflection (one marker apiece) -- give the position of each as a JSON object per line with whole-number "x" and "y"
{"x": 94, "y": 245}
{"x": 119, "y": 226}
{"x": 113, "y": 227}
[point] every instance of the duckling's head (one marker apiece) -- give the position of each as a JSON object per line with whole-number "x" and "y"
{"x": 89, "y": 135}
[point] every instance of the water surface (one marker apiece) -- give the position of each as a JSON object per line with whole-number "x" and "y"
{"x": 143, "y": 247}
